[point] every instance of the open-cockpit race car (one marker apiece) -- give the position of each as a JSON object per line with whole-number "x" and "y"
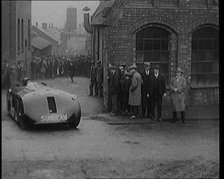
{"x": 35, "y": 103}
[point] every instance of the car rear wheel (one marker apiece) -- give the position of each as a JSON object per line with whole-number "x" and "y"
{"x": 21, "y": 123}
{"x": 75, "y": 123}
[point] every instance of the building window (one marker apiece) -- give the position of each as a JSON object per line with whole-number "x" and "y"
{"x": 152, "y": 45}
{"x": 167, "y": 3}
{"x": 22, "y": 35}
{"x": 205, "y": 57}
{"x": 29, "y": 34}
{"x": 198, "y": 3}
{"x": 215, "y": 3}
{"x": 18, "y": 36}
{"x": 143, "y": 2}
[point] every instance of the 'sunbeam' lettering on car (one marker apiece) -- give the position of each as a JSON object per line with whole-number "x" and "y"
{"x": 54, "y": 117}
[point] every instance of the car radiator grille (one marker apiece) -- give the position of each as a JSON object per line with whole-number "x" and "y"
{"x": 51, "y": 105}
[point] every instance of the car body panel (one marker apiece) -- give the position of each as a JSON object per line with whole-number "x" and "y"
{"x": 36, "y": 107}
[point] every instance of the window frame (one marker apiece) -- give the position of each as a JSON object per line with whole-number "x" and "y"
{"x": 195, "y": 62}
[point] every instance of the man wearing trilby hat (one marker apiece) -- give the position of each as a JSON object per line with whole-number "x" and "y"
{"x": 178, "y": 86}
{"x": 135, "y": 91}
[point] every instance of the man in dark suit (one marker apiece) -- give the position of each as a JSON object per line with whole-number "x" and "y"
{"x": 99, "y": 78}
{"x": 146, "y": 89}
{"x": 71, "y": 70}
{"x": 121, "y": 95}
{"x": 93, "y": 83}
{"x": 158, "y": 91}
{"x": 114, "y": 89}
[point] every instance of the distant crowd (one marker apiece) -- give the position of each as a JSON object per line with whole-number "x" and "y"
{"x": 48, "y": 67}
{"x": 52, "y": 66}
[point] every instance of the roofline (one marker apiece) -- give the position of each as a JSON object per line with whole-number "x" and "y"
{"x": 58, "y": 41}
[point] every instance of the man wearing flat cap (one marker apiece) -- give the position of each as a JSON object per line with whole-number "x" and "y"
{"x": 158, "y": 91}
{"x": 178, "y": 87}
{"x": 135, "y": 91}
{"x": 146, "y": 89}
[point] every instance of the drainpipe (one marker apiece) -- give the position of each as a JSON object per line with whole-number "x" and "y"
{"x": 90, "y": 30}
{"x": 87, "y": 25}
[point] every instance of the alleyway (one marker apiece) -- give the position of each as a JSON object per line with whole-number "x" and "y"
{"x": 109, "y": 147}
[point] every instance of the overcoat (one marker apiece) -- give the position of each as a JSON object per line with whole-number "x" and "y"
{"x": 135, "y": 90}
{"x": 178, "y": 98}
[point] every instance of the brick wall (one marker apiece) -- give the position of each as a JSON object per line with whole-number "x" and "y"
{"x": 126, "y": 18}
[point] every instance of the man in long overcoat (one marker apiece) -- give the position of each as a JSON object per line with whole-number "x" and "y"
{"x": 157, "y": 93}
{"x": 93, "y": 83}
{"x": 146, "y": 89}
{"x": 135, "y": 91}
{"x": 178, "y": 88}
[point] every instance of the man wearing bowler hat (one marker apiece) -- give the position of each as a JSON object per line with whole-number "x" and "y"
{"x": 158, "y": 91}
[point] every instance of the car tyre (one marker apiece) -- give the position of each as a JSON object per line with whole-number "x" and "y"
{"x": 76, "y": 122}
{"x": 21, "y": 123}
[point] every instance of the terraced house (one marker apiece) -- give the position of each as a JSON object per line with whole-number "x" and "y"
{"x": 170, "y": 33}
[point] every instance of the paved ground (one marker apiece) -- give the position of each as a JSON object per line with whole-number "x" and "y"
{"x": 111, "y": 147}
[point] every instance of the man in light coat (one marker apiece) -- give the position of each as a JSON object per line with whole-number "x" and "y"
{"x": 135, "y": 91}
{"x": 178, "y": 87}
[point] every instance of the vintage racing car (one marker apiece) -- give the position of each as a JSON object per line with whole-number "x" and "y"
{"x": 36, "y": 103}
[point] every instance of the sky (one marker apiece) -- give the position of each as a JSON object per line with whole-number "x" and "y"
{"x": 55, "y": 11}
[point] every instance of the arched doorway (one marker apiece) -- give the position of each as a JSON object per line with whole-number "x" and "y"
{"x": 156, "y": 45}
{"x": 205, "y": 56}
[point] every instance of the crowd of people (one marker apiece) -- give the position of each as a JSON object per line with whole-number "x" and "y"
{"x": 52, "y": 66}
{"x": 47, "y": 67}
{"x": 130, "y": 89}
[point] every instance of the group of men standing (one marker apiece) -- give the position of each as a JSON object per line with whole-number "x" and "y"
{"x": 129, "y": 90}
{"x": 96, "y": 79}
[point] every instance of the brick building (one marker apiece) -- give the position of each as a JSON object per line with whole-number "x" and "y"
{"x": 16, "y": 34}
{"x": 170, "y": 33}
